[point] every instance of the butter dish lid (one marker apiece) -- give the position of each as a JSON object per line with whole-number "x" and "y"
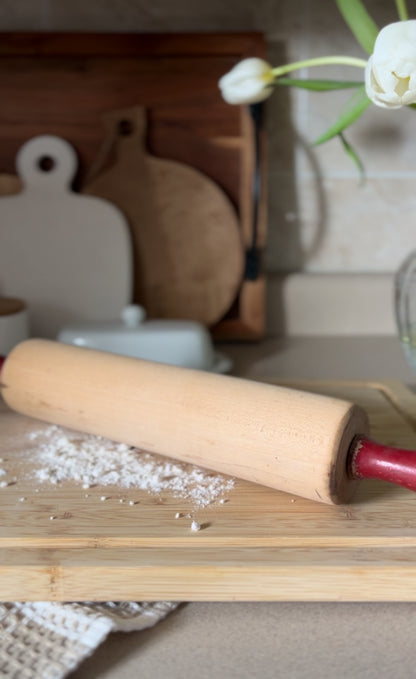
{"x": 177, "y": 342}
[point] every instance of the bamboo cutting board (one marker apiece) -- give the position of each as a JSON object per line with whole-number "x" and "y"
{"x": 259, "y": 545}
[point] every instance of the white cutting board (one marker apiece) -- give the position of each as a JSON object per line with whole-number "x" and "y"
{"x": 67, "y": 255}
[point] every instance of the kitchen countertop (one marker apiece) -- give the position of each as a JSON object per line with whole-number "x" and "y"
{"x": 268, "y": 640}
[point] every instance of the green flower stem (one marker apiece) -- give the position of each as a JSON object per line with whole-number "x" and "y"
{"x": 402, "y": 10}
{"x": 318, "y": 61}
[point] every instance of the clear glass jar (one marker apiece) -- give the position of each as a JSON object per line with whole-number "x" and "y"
{"x": 405, "y": 307}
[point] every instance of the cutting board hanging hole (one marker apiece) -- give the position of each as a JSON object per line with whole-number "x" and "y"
{"x": 125, "y": 128}
{"x": 48, "y": 162}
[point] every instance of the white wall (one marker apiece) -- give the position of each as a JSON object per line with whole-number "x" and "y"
{"x": 320, "y": 219}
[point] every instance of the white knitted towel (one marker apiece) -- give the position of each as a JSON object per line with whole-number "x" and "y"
{"x": 45, "y": 640}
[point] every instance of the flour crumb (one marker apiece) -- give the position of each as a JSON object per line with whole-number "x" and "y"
{"x": 178, "y": 515}
{"x": 60, "y": 455}
{"x": 195, "y": 526}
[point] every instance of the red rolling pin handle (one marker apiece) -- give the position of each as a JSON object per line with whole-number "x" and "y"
{"x": 371, "y": 460}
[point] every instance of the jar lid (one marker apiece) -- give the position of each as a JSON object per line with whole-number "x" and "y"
{"x": 11, "y": 305}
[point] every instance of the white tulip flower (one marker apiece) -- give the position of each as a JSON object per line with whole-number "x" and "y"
{"x": 390, "y": 75}
{"x": 250, "y": 81}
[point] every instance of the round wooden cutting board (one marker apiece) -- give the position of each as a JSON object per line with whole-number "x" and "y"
{"x": 187, "y": 244}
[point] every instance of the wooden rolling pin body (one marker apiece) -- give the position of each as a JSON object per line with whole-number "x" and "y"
{"x": 287, "y": 439}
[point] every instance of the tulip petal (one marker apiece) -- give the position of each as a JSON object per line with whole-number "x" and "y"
{"x": 248, "y": 82}
{"x": 390, "y": 77}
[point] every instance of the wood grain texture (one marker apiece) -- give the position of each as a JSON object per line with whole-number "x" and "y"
{"x": 260, "y": 545}
{"x": 182, "y": 224}
{"x": 11, "y": 305}
{"x": 294, "y": 441}
{"x": 62, "y": 83}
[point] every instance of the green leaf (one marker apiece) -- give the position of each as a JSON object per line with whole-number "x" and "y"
{"x": 351, "y": 113}
{"x": 350, "y": 151}
{"x": 360, "y": 23}
{"x": 319, "y": 85}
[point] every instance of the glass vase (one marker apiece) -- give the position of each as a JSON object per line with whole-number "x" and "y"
{"x": 405, "y": 307}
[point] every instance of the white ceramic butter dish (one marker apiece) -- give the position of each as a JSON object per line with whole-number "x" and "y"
{"x": 177, "y": 342}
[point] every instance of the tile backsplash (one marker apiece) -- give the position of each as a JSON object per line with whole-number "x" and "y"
{"x": 320, "y": 219}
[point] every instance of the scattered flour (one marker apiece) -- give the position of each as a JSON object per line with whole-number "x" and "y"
{"x": 62, "y": 455}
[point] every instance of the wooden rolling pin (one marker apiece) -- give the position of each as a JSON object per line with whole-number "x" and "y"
{"x": 307, "y": 444}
